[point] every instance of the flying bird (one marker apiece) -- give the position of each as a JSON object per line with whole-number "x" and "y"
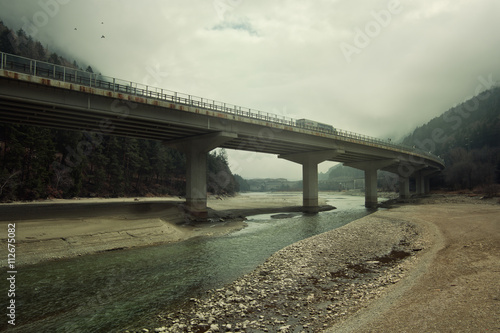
{"x": 103, "y": 36}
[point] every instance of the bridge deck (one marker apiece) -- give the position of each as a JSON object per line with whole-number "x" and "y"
{"x": 129, "y": 95}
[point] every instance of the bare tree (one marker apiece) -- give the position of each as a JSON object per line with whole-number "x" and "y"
{"x": 9, "y": 180}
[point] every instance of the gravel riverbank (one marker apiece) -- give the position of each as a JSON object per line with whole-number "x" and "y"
{"x": 429, "y": 266}
{"x": 306, "y": 286}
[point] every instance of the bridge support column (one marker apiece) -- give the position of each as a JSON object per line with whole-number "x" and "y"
{"x": 196, "y": 150}
{"x": 420, "y": 181}
{"x": 370, "y": 168}
{"x": 404, "y": 188}
{"x": 371, "y": 199}
{"x": 310, "y": 187}
{"x": 427, "y": 185}
{"x": 310, "y": 163}
{"x": 196, "y": 181}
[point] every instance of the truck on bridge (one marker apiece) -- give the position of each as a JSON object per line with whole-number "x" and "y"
{"x": 311, "y": 124}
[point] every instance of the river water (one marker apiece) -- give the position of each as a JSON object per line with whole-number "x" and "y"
{"x": 112, "y": 291}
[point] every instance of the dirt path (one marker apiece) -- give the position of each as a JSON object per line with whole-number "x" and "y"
{"x": 454, "y": 285}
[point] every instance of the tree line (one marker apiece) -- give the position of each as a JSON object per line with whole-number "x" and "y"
{"x": 39, "y": 163}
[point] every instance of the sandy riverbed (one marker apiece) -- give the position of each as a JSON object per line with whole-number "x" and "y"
{"x": 56, "y": 229}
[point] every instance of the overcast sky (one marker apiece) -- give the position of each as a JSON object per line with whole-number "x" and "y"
{"x": 379, "y": 68}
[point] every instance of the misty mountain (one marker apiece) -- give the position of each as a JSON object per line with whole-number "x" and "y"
{"x": 467, "y": 137}
{"x": 473, "y": 124}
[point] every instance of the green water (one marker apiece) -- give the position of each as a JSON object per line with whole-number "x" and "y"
{"x": 112, "y": 291}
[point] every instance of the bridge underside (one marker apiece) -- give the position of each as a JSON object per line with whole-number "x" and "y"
{"x": 197, "y": 131}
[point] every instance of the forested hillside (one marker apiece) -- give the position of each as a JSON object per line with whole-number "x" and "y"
{"x": 467, "y": 137}
{"x": 21, "y": 44}
{"x": 41, "y": 162}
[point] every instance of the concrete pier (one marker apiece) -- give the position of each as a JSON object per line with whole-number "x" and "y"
{"x": 196, "y": 150}
{"x": 404, "y": 188}
{"x": 419, "y": 183}
{"x": 310, "y": 186}
{"x": 309, "y": 162}
{"x": 371, "y": 198}
{"x": 370, "y": 168}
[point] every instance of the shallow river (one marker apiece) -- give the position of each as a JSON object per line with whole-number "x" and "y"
{"x": 113, "y": 291}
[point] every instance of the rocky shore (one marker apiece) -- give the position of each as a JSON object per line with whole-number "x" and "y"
{"x": 307, "y": 286}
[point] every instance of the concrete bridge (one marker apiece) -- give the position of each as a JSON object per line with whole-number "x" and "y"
{"x": 43, "y": 94}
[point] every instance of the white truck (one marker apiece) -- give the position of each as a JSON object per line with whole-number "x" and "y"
{"x": 311, "y": 124}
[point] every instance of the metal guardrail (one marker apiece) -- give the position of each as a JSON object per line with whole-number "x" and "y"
{"x": 66, "y": 74}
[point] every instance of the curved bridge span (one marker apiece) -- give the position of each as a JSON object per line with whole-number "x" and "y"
{"x": 43, "y": 94}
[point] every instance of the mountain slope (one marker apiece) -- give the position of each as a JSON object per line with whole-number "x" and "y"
{"x": 467, "y": 137}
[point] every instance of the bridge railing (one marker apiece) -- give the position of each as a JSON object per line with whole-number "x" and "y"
{"x": 66, "y": 74}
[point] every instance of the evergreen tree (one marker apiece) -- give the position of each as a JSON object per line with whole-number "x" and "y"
{"x": 11, "y": 162}
{"x": 115, "y": 171}
{"x": 39, "y": 52}
{"x": 242, "y": 183}
{"x": 6, "y": 39}
{"x": 96, "y": 173}
{"x": 54, "y": 59}
{"x": 39, "y": 155}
